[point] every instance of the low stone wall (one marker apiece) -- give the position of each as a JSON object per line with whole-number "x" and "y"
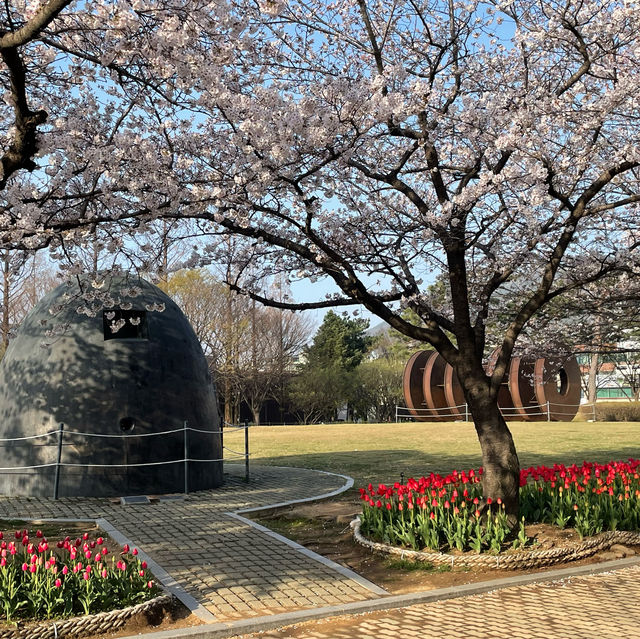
{"x": 520, "y": 560}
{"x": 99, "y": 623}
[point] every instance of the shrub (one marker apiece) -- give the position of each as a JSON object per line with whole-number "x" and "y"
{"x": 623, "y": 411}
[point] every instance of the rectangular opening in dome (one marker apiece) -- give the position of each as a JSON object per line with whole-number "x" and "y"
{"x": 120, "y": 324}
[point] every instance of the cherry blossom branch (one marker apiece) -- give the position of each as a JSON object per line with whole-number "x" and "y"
{"x": 305, "y": 306}
{"x": 42, "y": 18}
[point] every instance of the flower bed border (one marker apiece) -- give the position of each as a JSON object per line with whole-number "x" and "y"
{"x": 100, "y": 622}
{"x": 521, "y": 560}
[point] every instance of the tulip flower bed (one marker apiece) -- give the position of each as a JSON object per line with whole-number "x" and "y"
{"x": 72, "y": 577}
{"x": 446, "y": 513}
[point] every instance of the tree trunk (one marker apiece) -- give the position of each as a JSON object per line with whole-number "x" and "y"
{"x": 6, "y": 301}
{"x": 226, "y": 393}
{"x": 501, "y": 477}
{"x": 592, "y": 387}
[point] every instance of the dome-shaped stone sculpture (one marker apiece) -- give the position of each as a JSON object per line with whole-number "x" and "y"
{"x": 109, "y": 358}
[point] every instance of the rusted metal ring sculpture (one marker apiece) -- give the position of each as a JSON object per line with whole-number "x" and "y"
{"x": 534, "y": 389}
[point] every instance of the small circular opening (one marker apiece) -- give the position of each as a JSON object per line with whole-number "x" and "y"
{"x": 562, "y": 382}
{"x": 127, "y": 424}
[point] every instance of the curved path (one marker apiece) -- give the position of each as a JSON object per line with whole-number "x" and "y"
{"x": 601, "y": 606}
{"x": 220, "y": 564}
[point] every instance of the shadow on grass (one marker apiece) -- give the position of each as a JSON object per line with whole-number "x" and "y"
{"x": 399, "y": 464}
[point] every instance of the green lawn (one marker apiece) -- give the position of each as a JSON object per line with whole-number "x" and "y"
{"x": 381, "y": 452}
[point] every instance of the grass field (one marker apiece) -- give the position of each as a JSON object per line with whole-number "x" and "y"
{"x": 382, "y": 452}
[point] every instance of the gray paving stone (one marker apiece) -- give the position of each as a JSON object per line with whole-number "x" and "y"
{"x": 212, "y": 555}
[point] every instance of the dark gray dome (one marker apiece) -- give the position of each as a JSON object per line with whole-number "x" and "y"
{"x": 111, "y": 358}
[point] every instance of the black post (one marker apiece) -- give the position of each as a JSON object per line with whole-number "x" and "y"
{"x": 56, "y": 481}
{"x": 186, "y": 462}
{"x": 246, "y": 450}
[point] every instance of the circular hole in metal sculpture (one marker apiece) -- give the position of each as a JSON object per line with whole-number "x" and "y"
{"x": 127, "y": 424}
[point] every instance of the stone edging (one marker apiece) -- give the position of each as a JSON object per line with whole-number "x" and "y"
{"x": 517, "y": 561}
{"x": 100, "y": 623}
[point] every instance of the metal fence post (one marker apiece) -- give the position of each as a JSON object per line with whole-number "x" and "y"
{"x": 56, "y": 481}
{"x": 186, "y": 458}
{"x": 246, "y": 450}
{"x": 466, "y": 412}
{"x": 548, "y": 412}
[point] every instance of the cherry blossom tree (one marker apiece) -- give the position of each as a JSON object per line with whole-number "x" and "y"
{"x": 374, "y": 143}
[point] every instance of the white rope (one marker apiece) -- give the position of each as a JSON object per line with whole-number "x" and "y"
{"x": 174, "y": 461}
{"x": 228, "y": 426}
{"x": 164, "y": 432}
{"x": 19, "y": 439}
{"x": 235, "y": 452}
{"x": 27, "y": 467}
{"x": 206, "y": 432}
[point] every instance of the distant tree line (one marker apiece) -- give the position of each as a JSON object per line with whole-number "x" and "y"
{"x": 260, "y": 355}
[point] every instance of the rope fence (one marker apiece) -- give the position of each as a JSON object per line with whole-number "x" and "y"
{"x": 186, "y": 459}
{"x": 462, "y": 412}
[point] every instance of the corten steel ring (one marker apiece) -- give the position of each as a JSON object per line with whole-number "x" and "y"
{"x": 557, "y": 381}
{"x": 454, "y": 393}
{"x": 521, "y": 388}
{"x": 412, "y": 385}
{"x": 433, "y": 387}
{"x": 533, "y": 389}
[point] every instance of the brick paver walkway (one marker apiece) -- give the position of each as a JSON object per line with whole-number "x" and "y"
{"x": 228, "y": 566}
{"x": 602, "y": 606}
